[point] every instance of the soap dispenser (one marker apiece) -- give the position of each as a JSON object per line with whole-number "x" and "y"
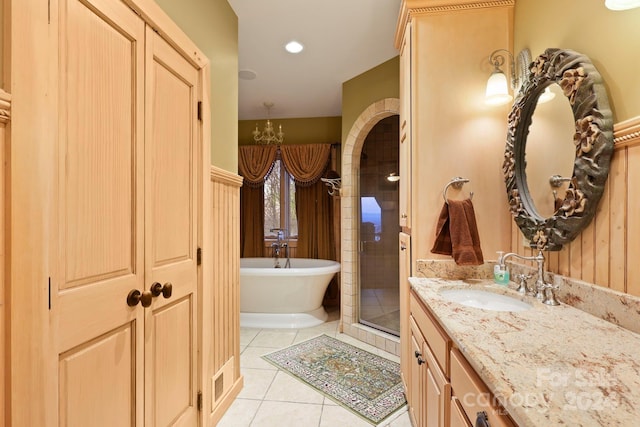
{"x": 500, "y": 272}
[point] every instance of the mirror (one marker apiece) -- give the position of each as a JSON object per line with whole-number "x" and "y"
{"x": 550, "y": 151}
{"x": 577, "y": 178}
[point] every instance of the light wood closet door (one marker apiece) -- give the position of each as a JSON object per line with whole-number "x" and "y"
{"x": 171, "y": 224}
{"x": 99, "y": 338}
{"x": 127, "y": 221}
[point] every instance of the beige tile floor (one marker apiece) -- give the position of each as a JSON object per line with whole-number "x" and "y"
{"x": 272, "y": 398}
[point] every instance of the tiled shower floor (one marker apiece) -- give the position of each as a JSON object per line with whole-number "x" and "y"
{"x": 381, "y": 307}
{"x": 272, "y": 398}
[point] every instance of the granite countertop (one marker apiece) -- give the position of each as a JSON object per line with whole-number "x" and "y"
{"x": 549, "y": 365}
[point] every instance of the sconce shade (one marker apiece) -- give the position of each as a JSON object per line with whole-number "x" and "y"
{"x": 546, "y": 96}
{"x": 497, "y": 92}
{"x": 621, "y": 4}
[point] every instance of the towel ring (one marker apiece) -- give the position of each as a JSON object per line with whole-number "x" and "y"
{"x": 456, "y": 183}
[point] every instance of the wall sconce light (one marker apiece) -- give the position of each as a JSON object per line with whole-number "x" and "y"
{"x": 546, "y": 96}
{"x": 497, "y": 92}
{"x": 393, "y": 177}
{"x": 621, "y": 4}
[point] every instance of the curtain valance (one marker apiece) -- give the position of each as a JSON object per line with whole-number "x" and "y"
{"x": 255, "y": 162}
{"x": 305, "y": 163}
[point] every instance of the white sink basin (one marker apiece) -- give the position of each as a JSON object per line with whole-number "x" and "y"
{"x": 485, "y": 300}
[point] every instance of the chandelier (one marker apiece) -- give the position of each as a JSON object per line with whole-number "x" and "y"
{"x": 268, "y": 134}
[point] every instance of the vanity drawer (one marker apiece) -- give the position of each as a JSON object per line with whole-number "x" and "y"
{"x": 473, "y": 395}
{"x": 436, "y": 338}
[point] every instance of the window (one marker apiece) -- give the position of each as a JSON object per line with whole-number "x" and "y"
{"x": 279, "y": 202}
{"x": 371, "y": 219}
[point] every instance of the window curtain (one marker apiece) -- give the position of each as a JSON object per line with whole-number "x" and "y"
{"x": 306, "y": 164}
{"x": 254, "y": 163}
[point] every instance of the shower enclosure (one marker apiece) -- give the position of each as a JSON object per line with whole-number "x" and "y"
{"x": 379, "y": 229}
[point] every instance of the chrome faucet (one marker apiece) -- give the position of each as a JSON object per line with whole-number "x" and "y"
{"x": 275, "y": 249}
{"x": 543, "y": 291}
{"x": 277, "y": 246}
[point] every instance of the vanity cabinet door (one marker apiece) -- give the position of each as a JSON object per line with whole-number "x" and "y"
{"x": 405, "y": 332}
{"x": 437, "y": 392}
{"x": 416, "y": 398}
{"x": 430, "y": 390}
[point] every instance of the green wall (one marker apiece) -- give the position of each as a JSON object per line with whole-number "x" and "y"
{"x": 318, "y": 130}
{"x": 363, "y": 90}
{"x": 610, "y": 38}
{"x": 213, "y": 26}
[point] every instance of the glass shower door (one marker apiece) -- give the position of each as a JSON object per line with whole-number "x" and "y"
{"x": 379, "y": 229}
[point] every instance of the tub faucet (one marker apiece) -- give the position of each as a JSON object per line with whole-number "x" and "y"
{"x": 280, "y": 244}
{"x": 275, "y": 249}
{"x": 544, "y": 291}
{"x": 285, "y": 246}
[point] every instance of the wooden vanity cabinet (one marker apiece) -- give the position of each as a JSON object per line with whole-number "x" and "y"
{"x": 430, "y": 390}
{"x": 443, "y": 389}
{"x": 472, "y": 395}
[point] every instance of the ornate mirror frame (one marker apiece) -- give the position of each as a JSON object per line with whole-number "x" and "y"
{"x": 583, "y": 86}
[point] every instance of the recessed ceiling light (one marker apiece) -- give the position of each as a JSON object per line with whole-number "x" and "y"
{"x": 621, "y": 4}
{"x": 293, "y": 47}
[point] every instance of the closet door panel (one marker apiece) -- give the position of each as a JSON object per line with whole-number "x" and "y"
{"x": 99, "y": 337}
{"x": 86, "y": 386}
{"x": 171, "y": 224}
{"x": 171, "y": 168}
{"x": 100, "y": 147}
{"x": 172, "y": 369}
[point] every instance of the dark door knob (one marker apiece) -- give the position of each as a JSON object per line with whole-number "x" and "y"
{"x": 135, "y": 297}
{"x": 158, "y": 288}
{"x": 482, "y": 420}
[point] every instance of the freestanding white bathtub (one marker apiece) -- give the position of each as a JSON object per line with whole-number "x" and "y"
{"x": 284, "y": 297}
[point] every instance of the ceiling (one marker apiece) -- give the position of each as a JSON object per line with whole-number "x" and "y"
{"x": 341, "y": 38}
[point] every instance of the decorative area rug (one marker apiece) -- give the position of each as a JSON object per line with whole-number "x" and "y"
{"x": 363, "y": 382}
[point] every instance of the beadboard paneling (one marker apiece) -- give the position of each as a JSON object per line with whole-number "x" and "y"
{"x": 226, "y": 260}
{"x": 225, "y": 327}
{"x": 606, "y": 251}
